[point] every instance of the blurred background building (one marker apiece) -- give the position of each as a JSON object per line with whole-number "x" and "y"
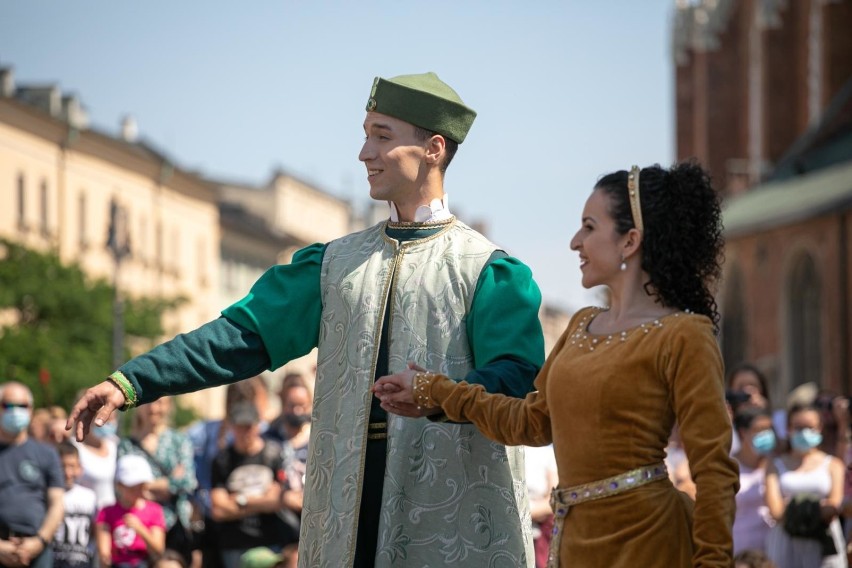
{"x": 764, "y": 98}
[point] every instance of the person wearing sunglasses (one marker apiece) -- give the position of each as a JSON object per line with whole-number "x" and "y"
{"x": 31, "y": 485}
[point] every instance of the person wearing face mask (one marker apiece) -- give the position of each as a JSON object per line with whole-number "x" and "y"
{"x": 32, "y": 486}
{"x": 805, "y": 472}
{"x": 753, "y": 521}
{"x": 98, "y": 455}
{"x": 293, "y": 425}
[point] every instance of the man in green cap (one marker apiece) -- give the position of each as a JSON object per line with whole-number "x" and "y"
{"x": 421, "y": 288}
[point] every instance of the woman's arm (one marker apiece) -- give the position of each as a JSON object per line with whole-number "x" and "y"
{"x": 181, "y": 479}
{"x": 103, "y": 539}
{"x": 692, "y": 366}
{"x": 831, "y": 505}
{"x": 774, "y": 499}
{"x": 508, "y": 420}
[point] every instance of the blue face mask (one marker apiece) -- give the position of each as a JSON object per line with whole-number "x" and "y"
{"x": 805, "y": 439}
{"x": 763, "y": 442}
{"x": 16, "y": 420}
{"x": 108, "y": 430}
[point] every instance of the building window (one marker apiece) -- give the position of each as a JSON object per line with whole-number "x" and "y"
{"x": 142, "y": 246}
{"x": 81, "y": 220}
{"x": 733, "y": 320}
{"x": 44, "y": 209}
{"x": 175, "y": 259}
{"x": 158, "y": 243}
{"x": 201, "y": 252}
{"x": 22, "y": 203}
{"x": 804, "y": 337}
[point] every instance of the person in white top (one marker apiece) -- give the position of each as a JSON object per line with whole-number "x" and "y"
{"x": 805, "y": 471}
{"x": 98, "y": 454}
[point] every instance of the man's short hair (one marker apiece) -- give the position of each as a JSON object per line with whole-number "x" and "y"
{"x": 450, "y": 147}
{"x": 66, "y": 448}
{"x": 7, "y": 384}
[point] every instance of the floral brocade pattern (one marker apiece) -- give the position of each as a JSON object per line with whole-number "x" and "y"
{"x": 450, "y": 496}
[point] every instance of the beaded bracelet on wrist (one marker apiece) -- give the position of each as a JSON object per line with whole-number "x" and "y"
{"x": 126, "y": 388}
{"x": 420, "y": 387}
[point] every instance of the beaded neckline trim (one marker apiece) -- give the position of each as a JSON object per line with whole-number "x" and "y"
{"x": 582, "y": 339}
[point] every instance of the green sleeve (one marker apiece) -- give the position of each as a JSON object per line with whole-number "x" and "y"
{"x": 284, "y": 307}
{"x": 217, "y": 353}
{"x": 504, "y": 329}
{"x": 252, "y": 336}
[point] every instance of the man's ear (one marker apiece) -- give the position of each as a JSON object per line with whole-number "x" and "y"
{"x": 435, "y": 148}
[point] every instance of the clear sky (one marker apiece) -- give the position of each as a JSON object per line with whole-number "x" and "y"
{"x": 565, "y": 91}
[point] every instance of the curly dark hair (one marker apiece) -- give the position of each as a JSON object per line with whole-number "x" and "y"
{"x": 682, "y": 240}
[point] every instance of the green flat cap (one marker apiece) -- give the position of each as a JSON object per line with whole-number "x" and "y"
{"x": 425, "y": 101}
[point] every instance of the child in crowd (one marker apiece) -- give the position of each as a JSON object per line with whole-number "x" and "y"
{"x": 71, "y": 542}
{"x": 170, "y": 559}
{"x": 132, "y": 532}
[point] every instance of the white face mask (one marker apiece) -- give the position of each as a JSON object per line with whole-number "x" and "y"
{"x": 15, "y": 419}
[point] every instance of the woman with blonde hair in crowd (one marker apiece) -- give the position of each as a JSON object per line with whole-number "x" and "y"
{"x": 170, "y": 455}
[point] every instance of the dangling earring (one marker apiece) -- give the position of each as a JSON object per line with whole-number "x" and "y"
{"x": 623, "y": 266}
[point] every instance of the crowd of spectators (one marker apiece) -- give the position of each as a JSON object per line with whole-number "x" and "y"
{"x": 217, "y": 494}
{"x": 228, "y": 493}
{"x": 794, "y": 505}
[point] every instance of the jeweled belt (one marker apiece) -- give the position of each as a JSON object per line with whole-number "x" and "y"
{"x": 561, "y": 500}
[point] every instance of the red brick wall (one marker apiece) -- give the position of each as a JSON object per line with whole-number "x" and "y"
{"x": 765, "y": 260}
{"x": 726, "y": 99}
{"x": 685, "y": 110}
{"x": 838, "y": 47}
{"x": 785, "y": 90}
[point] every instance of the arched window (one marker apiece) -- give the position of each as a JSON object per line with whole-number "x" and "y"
{"x": 733, "y": 320}
{"x": 804, "y": 337}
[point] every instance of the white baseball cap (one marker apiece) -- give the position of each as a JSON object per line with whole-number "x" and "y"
{"x": 132, "y": 470}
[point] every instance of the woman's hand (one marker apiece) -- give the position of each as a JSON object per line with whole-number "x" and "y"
{"x": 828, "y": 511}
{"x": 395, "y": 392}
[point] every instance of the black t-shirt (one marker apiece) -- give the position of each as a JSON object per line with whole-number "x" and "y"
{"x": 251, "y": 475}
{"x": 27, "y": 471}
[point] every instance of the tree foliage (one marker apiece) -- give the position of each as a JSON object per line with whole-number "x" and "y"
{"x": 57, "y": 324}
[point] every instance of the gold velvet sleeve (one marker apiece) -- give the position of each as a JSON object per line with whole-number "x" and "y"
{"x": 694, "y": 370}
{"x": 508, "y": 420}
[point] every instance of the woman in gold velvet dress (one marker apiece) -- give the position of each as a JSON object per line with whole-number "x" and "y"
{"x": 620, "y": 378}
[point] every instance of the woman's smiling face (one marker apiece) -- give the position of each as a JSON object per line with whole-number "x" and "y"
{"x": 597, "y": 241}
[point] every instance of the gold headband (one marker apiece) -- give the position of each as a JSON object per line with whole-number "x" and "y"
{"x": 633, "y": 193}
